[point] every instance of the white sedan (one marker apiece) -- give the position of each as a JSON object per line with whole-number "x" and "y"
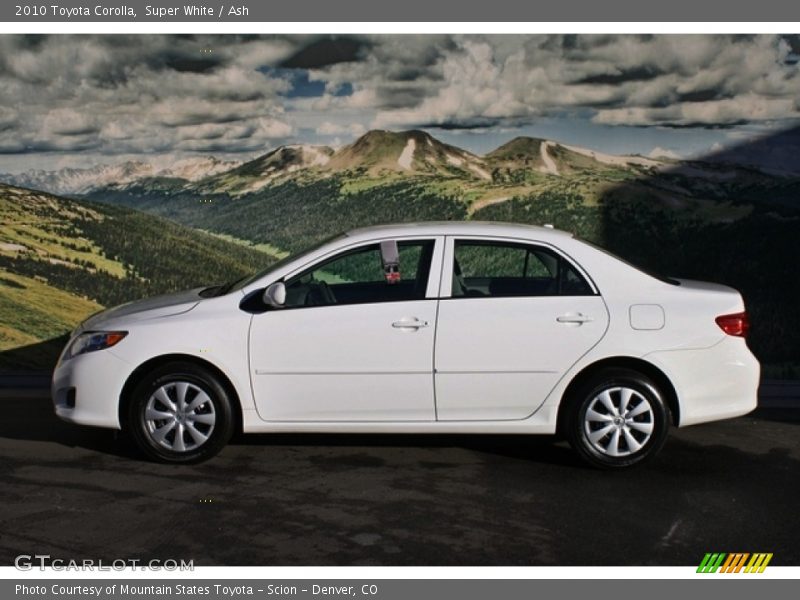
{"x": 419, "y": 328}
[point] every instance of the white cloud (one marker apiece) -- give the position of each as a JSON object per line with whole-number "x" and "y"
{"x": 140, "y": 94}
{"x": 328, "y": 128}
{"x": 728, "y": 111}
{"x": 620, "y": 80}
{"x": 273, "y": 128}
{"x": 159, "y": 94}
{"x": 68, "y": 122}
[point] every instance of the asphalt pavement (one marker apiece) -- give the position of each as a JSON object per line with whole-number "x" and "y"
{"x": 75, "y": 492}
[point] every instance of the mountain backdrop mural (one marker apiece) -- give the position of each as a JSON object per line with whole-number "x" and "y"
{"x": 113, "y": 198}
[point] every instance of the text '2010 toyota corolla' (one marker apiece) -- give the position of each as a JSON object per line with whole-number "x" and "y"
{"x": 419, "y": 328}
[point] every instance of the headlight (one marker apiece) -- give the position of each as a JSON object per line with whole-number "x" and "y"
{"x": 93, "y": 340}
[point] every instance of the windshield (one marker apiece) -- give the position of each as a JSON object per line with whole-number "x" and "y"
{"x": 245, "y": 281}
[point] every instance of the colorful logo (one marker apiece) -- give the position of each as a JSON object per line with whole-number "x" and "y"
{"x": 734, "y": 562}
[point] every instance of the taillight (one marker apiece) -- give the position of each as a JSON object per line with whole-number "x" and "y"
{"x": 737, "y": 324}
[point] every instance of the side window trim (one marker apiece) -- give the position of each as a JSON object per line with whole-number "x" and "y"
{"x": 435, "y": 273}
{"x": 446, "y": 286}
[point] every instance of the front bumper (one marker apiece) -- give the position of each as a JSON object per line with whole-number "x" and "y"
{"x": 86, "y": 389}
{"x": 714, "y": 383}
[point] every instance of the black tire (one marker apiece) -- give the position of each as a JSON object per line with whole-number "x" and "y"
{"x": 216, "y": 410}
{"x": 602, "y": 452}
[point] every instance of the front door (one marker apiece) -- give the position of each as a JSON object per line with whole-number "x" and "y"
{"x": 352, "y": 344}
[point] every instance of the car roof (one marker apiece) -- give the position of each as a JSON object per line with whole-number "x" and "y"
{"x": 488, "y": 228}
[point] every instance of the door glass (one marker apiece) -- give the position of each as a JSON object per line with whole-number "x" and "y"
{"x": 357, "y": 276}
{"x": 499, "y": 269}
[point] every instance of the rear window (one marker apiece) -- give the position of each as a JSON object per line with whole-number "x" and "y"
{"x": 502, "y": 269}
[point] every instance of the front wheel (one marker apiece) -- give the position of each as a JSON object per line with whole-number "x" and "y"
{"x": 180, "y": 413}
{"x": 617, "y": 419}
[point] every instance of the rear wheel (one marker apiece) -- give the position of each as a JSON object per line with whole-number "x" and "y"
{"x": 180, "y": 413}
{"x": 617, "y": 419}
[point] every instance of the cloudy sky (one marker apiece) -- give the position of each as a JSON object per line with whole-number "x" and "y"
{"x": 71, "y": 100}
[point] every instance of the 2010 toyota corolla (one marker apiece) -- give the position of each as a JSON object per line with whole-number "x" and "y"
{"x": 420, "y": 328}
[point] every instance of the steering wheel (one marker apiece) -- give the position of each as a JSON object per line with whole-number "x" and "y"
{"x": 327, "y": 293}
{"x": 319, "y": 294}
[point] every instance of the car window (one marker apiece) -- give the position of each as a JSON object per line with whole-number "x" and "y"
{"x": 357, "y": 276}
{"x": 499, "y": 269}
{"x": 245, "y": 281}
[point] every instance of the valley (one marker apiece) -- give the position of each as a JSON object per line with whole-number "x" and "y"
{"x": 707, "y": 220}
{"x": 62, "y": 260}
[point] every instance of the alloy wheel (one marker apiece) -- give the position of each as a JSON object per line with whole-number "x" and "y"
{"x": 179, "y": 416}
{"x": 619, "y": 421}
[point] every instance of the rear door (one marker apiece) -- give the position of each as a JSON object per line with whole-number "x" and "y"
{"x": 514, "y": 317}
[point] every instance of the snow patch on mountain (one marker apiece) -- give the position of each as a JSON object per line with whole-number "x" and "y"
{"x": 312, "y": 156}
{"x": 78, "y": 181}
{"x": 197, "y": 167}
{"x": 455, "y": 160}
{"x": 480, "y": 172}
{"x": 611, "y": 159}
{"x": 549, "y": 164}
{"x": 660, "y": 153}
{"x": 72, "y": 181}
{"x": 407, "y": 155}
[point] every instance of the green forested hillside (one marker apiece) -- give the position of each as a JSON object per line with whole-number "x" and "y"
{"x": 292, "y": 216}
{"x": 732, "y": 239}
{"x": 721, "y": 222}
{"x": 61, "y": 260}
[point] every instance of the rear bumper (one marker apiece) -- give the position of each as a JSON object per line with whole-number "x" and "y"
{"x": 714, "y": 383}
{"x": 86, "y": 389}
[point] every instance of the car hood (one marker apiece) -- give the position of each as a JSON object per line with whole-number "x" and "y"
{"x": 149, "y": 308}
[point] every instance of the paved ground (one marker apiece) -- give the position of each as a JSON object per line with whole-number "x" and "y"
{"x": 76, "y": 492}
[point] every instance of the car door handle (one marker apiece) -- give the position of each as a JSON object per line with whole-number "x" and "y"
{"x": 409, "y": 324}
{"x": 579, "y": 318}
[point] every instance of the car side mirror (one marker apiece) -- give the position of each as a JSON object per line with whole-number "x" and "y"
{"x": 275, "y": 295}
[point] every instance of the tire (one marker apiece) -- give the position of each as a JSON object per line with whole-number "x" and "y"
{"x": 180, "y": 413}
{"x": 628, "y": 440}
